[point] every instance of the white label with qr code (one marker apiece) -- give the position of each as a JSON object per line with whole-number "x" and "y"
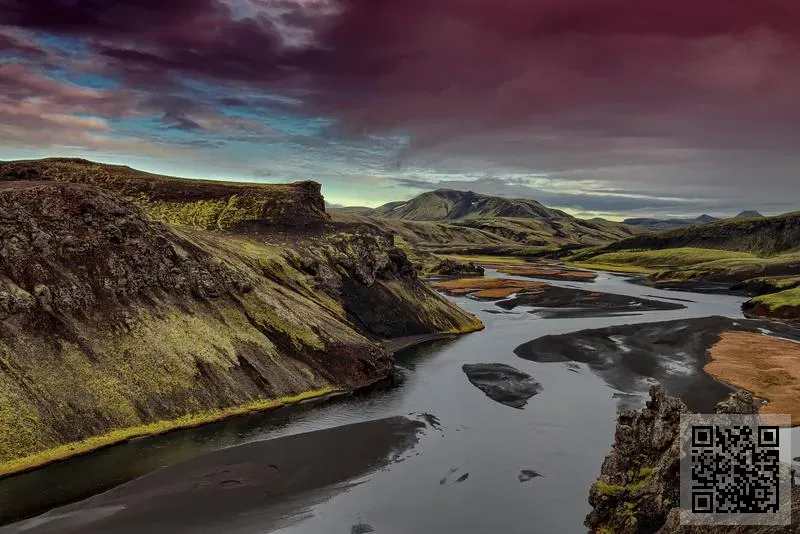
{"x": 735, "y": 470}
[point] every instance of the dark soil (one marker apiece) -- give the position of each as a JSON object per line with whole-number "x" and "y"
{"x": 230, "y": 490}
{"x": 503, "y": 383}
{"x": 632, "y": 357}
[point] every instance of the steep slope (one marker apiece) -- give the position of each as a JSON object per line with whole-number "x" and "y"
{"x": 115, "y": 324}
{"x": 658, "y": 225}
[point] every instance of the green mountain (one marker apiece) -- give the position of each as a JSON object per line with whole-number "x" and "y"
{"x": 463, "y": 221}
{"x": 448, "y": 205}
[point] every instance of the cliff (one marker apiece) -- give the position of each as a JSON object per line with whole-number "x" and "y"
{"x": 638, "y": 490}
{"x": 204, "y": 204}
{"x": 115, "y": 324}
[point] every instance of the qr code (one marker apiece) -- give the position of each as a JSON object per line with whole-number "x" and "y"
{"x": 735, "y": 470}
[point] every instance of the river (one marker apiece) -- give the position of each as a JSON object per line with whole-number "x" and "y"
{"x": 563, "y": 434}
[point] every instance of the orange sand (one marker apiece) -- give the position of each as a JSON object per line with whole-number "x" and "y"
{"x": 766, "y": 366}
{"x": 487, "y": 287}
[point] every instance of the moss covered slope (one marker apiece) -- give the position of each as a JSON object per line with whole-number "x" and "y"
{"x": 112, "y": 321}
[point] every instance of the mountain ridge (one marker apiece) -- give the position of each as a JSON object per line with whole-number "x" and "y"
{"x": 452, "y": 204}
{"x": 448, "y": 220}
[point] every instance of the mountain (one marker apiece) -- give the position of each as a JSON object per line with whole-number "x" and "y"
{"x": 657, "y": 225}
{"x": 463, "y": 221}
{"x": 133, "y": 303}
{"x": 448, "y": 205}
{"x": 749, "y": 214}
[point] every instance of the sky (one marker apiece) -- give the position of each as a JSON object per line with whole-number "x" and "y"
{"x": 617, "y": 108}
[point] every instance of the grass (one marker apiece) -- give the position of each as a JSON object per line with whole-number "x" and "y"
{"x": 119, "y": 436}
{"x": 683, "y": 263}
{"x": 634, "y": 269}
{"x": 491, "y": 260}
{"x": 781, "y": 299}
{"x": 667, "y": 258}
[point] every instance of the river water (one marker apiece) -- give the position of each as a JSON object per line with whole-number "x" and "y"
{"x": 563, "y": 434}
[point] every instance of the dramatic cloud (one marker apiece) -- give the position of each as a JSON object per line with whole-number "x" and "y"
{"x": 620, "y": 104}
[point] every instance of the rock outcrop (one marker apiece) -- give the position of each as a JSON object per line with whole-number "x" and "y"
{"x": 112, "y": 319}
{"x": 457, "y": 268}
{"x": 638, "y": 490}
{"x": 202, "y": 204}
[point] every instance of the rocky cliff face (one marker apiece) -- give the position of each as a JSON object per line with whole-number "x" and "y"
{"x": 203, "y": 204}
{"x": 638, "y": 490}
{"x": 111, "y": 319}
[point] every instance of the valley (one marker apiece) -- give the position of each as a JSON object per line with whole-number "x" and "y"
{"x": 226, "y": 356}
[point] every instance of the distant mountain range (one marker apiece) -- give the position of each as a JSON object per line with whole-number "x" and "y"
{"x": 658, "y": 225}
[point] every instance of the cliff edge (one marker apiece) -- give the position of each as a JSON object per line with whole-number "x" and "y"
{"x": 116, "y": 323}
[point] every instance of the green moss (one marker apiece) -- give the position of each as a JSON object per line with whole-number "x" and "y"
{"x": 781, "y": 299}
{"x": 159, "y": 427}
{"x": 218, "y": 214}
{"x": 609, "y": 490}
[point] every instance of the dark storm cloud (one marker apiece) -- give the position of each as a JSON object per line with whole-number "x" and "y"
{"x": 636, "y": 95}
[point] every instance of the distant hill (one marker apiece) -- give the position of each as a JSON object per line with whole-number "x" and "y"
{"x": 446, "y": 221}
{"x": 448, "y": 205}
{"x": 749, "y": 214}
{"x": 657, "y": 225}
{"x": 764, "y": 235}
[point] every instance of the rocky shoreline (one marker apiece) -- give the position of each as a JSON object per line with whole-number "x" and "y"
{"x": 638, "y": 490}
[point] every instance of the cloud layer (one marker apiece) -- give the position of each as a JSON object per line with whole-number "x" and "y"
{"x": 616, "y": 105}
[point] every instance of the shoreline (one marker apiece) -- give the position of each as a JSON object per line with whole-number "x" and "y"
{"x": 68, "y": 451}
{"x": 397, "y": 344}
{"x": 254, "y": 486}
{"x": 114, "y": 438}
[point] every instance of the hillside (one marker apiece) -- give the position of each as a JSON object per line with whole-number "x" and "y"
{"x": 115, "y": 324}
{"x": 465, "y": 222}
{"x": 758, "y": 256}
{"x": 766, "y": 235}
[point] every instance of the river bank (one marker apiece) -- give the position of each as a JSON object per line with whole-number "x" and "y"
{"x": 204, "y": 494}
